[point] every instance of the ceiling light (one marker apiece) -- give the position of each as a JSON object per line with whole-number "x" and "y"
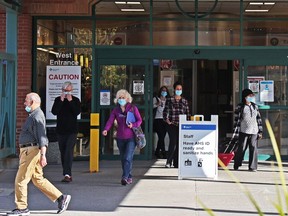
{"x": 258, "y": 10}
{"x": 132, "y": 10}
{"x": 261, "y": 3}
{"x": 269, "y": 3}
{"x": 128, "y": 3}
{"x": 46, "y": 50}
{"x": 256, "y": 3}
{"x": 133, "y": 3}
{"x": 120, "y": 2}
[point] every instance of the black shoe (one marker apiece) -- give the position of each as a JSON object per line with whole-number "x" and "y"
{"x": 67, "y": 179}
{"x": 124, "y": 181}
{"x": 252, "y": 170}
{"x": 20, "y": 212}
{"x": 63, "y": 203}
{"x": 236, "y": 168}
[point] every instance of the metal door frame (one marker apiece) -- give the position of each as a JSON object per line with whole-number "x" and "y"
{"x": 148, "y": 94}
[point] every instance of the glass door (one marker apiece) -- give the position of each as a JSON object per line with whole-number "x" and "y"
{"x": 134, "y": 76}
{"x": 270, "y": 86}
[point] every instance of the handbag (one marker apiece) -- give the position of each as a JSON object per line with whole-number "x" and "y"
{"x": 139, "y": 137}
{"x": 138, "y": 132}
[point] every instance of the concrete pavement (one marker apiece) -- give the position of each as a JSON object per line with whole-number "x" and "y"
{"x": 155, "y": 191}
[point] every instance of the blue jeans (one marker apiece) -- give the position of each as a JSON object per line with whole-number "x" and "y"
{"x": 126, "y": 148}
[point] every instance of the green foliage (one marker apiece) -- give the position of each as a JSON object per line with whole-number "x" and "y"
{"x": 113, "y": 76}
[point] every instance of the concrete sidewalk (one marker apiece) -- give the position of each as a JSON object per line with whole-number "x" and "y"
{"x": 155, "y": 191}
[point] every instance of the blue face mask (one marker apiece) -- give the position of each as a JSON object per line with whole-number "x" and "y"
{"x": 122, "y": 102}
{"x": 28, "y": 109}
{"x": 250, "y": 99}
{"x": 164, "y": 93}
{"x": 178, "y": 92}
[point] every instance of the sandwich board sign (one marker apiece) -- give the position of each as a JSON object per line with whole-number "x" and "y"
{"x": 198, "y": 148}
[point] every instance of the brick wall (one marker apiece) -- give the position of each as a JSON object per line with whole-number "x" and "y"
{"x": 58, "y": 7}
{"x": 34, "y": 8}
{"x": 24, "y": 78}
{"x": 2, "y": 31}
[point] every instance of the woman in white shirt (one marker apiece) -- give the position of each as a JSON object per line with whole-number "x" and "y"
{"x": 159, "y": 126}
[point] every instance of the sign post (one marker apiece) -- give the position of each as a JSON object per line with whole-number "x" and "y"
{"x": 198, "y": 148}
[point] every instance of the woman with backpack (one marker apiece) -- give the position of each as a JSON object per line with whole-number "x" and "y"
{"x": 247, "y": 129}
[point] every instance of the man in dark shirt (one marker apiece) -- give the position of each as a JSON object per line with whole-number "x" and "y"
{"x": 33, "y": 143}
{"x": 66, "y": 107}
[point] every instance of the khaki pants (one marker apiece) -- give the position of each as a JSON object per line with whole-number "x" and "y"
{"x": 30, "y": 168}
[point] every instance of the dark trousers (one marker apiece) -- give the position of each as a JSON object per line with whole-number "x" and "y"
{"x": 246, "y": 140}
{"x": 172, "y": 157}
{"x": 161, "y": 130}
{"x": 66, "y": 144}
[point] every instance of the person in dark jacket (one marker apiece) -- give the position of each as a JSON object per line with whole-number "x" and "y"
{"x": 247, "y": 129}
{"x": 66, "y": 107}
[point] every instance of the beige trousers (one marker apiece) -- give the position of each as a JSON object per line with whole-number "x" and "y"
{"x": 30, "y": 169}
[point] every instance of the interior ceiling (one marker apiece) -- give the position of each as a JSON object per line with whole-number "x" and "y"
{"x": 170, "y": 7}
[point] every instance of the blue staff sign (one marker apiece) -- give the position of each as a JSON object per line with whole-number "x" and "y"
{"x": 198, "y": 148}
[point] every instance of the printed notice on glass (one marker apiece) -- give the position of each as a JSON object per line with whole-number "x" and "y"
{"x": 267, "y": 91}
{"x": 198, "y": 148}
{"x": 138, "y": 87}
{"x": 55, "y": 77}
{"x": 105, "y": 97}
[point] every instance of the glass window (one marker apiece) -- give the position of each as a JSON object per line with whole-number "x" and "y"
{"x": 173, "y": 33}
{"x": 278, "y": 120}
{"x": 207, "y": 9}
{"x": 123, "y": 8}
{"x": 219, "y": 33}
{"x": 129, "y": 77}
{"x": 277, "y": 115}
{"x": 265, "y": 33}
{"x": 267, "y": 9}
{"x": 123, "y": 33}
{"x": 278, "y": 74}
{"x": 73, "y": 57}
{"x": 64, "y": 32}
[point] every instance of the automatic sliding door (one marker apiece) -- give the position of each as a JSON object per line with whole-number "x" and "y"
{"x": 116, "y": 75}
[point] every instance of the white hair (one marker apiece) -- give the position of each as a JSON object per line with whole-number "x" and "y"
{"x": 124, "y": 93}
{"x": 34, "y": 97}
{"x": 66, "y": 84}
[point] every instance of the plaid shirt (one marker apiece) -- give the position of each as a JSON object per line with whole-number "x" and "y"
{"x": 174, "y": 108}
{"x": 238, "y": 118}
